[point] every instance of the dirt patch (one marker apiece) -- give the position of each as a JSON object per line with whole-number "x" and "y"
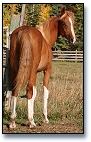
{"x": 60, "y": 127}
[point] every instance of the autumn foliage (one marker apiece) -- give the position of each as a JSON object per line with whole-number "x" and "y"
{"x": 35, "y": 14}
{"x": 44, "y": 13}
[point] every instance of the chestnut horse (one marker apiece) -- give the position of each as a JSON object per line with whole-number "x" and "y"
{"x": 31, "y": 52}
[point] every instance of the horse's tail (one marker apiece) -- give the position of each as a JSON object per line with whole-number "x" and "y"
{"x": 25, "y": 63}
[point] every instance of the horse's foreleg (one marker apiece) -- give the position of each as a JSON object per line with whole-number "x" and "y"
{"x": 45, "y": 98}
{"x": 13, "y": 111}
{"x": 31, "y": 94}
{"x": 46, "y": 93}
{"x": 31, "y": 109}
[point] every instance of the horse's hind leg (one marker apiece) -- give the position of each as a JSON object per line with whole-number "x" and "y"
{"x": 45, "y": 98}
{"x": 47, "y": 74}
{"x": 13, "y": 101}
{"x": 31, "y": 94}
{"x": 13, "y": 110}
{"x": 31, "y": 109}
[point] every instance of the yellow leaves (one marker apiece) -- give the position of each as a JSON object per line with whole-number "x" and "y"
{"x": 44, "y": 13}
{"x": 8, "y": 10}
{"x": 6, "y": 15}
{"x": 13, "y": 8}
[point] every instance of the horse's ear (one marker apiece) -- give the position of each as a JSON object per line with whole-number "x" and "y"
{"x": 63, "y": 10}
{"x": 72, "y": 9}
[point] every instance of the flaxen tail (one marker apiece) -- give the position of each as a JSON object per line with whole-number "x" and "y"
{"x": 25, "y": 63}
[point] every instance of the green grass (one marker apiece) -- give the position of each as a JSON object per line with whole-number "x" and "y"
{"x": 65, "y": 98}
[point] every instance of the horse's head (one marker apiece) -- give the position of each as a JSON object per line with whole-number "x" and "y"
{"x": 66, "y": 25}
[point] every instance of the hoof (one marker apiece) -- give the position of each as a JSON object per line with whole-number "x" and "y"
{"x": 12, "y": 125}
{"x": 31, "y": 124}
{"x": 5, "y": 105}
{"x": 46, "y": 121}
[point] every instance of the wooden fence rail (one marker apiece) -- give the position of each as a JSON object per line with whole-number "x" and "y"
{"x": 68, "y": 55}
{"x": 61, "y": 55}
{"x": 57, "y": 55}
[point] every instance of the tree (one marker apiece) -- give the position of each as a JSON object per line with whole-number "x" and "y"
{"x": 35, "y": 14}
{"x": 8, "y": 10}
{"x": 44, "y": 13}
{"x": 6, "y": 20}
{"x": 32, "y": 12}
{"x": 6, "y": 15}
{"x": 55, "y": 9}
{"x": 79, "y": 26}
{"x": 13, "y": 8}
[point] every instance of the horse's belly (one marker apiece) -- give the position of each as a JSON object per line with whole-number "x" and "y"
{"x": 43, "y": 63}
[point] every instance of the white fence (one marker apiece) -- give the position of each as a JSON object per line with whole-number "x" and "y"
{"x": 68, "y": 55}
{"x": 60, "y": 55}
{"x": 6, "y": 68}
{"x": 5, "y": 56}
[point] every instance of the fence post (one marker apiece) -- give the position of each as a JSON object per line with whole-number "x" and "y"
{"x": 7, "y": 37}
{"x": 22, "y": 14}
{"x": 15, "y": 20}
{"x": 76, "y": 56}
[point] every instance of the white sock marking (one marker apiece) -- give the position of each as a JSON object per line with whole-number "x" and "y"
{"x": 46, "y": 93}
{"x": 31, "y": 107}
{"x": 13, "y": 107}
{"x": 72, "y": 30}
{"x": 8, "y": 95}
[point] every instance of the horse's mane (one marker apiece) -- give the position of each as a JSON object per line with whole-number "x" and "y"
{"x": 46, "y": 22}
{"x": 45, "y": 26}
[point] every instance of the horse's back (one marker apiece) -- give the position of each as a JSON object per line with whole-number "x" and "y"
{"x": 24, "y": 35}
{"x": 25, "y": 30}
{"x": 28, "y": 35}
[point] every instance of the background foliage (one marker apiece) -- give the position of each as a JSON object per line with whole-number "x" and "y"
{"x": 35, "y": 14}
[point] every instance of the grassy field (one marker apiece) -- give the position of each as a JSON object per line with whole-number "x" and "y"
{"x": 65, "y": 103}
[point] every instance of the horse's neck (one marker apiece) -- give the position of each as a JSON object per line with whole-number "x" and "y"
{"x": 49, "y": 30}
